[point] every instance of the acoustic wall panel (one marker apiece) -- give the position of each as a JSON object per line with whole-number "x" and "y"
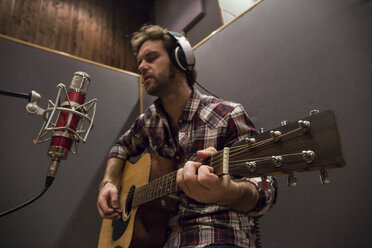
{"x": 281, "y": 60}
{"x": 66, "y": 216}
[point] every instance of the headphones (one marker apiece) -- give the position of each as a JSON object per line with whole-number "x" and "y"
{"x": 182, "y": 56}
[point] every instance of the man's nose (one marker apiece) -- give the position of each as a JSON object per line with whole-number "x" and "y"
{"x": 143, "y": 67}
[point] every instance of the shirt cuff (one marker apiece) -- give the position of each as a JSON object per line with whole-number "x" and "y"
{"x": 267, "y": 191}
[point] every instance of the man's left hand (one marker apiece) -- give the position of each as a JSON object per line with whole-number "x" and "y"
{"x": 201, "y": 184}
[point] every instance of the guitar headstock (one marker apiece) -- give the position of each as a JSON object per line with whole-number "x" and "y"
{"x": 309, "y": 144}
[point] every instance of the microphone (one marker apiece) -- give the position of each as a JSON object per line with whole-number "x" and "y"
{"x": 64, "y": 126}
{"x": 67, "y": 122}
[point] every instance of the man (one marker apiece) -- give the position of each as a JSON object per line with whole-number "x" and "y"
{"x": 184, "y": 125}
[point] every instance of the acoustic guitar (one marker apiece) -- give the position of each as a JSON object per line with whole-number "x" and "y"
{"x": 309, "y": 144}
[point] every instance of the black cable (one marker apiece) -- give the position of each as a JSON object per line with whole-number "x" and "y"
{"x": 258, "y": 234}
{"x": 16, "y": 94}
{"x": 48, "y": 182}
{"x": 191, "y": 77}
{"x": 205, "y": 89}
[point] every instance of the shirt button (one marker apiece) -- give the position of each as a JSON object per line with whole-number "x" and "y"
{"x": 180, "y": 121}
{"x": 177, "y": 157}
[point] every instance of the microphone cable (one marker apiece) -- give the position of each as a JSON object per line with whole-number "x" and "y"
{"x": 258, "y": 234}
{"x": 191, "y": 77}
{"x": 205, "y": 89}
{"x": 48, "y": 182}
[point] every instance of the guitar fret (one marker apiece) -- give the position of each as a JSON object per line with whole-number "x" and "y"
{"x": 169, "y": 184}
{"x": 153, "y": 190}
{"x": 157, "y": 188}
{"x": 148, "y": 191}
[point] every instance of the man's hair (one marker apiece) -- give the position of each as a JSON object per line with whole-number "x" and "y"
{"x": 154, "y": 32}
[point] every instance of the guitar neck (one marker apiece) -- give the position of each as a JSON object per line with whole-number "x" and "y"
{"x": 163, "y": 186}
{"x": 309, "y": 144}
{"x": 157, "y": 188}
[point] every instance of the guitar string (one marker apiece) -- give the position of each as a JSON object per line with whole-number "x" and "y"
{"x": 153, "y": 186}
{"x": 170, "y": 179}
{"x": 237, "y": 165}
{"x": 236, "y": 150}
{"x": 215, "y": 159}
{"x": 245, "y": 147}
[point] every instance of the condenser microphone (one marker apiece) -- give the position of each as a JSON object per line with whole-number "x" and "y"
{"x": 64, "y": 132}
{"x": 65, "y": 124}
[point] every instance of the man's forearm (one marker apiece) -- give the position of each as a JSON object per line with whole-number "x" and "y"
{"x": 244, "y": 196}
{"x": 108, "y": 200}
{"x": 114, "y": 168}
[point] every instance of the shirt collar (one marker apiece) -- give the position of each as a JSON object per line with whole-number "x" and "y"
{"x": 190, "y": 109}
{"x": 192, "y": 106}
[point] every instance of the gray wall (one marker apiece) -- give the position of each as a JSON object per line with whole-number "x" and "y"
{"x": 197, "y": 18}
{"x": 281, "y": 60}
{"x": 65, "y": 216}
{"x": 178, "y": 15}
{"x": 208, "y": 24}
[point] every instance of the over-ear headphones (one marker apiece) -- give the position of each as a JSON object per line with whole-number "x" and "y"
{"x": 182, "y": 56}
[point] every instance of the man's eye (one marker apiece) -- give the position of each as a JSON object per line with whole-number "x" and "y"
{"x": 148, "y": 58}
{"x": 151, "y": 58}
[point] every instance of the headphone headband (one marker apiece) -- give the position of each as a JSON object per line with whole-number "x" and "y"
{"x": 182, "y": 56}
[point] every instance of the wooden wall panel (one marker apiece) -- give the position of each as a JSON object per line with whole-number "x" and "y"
{"x": 92, "y": 29}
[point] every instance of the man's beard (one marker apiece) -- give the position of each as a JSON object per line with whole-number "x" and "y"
{"x": 159, "y": 85}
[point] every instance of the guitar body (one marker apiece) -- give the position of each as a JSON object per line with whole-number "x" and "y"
{"x": 144, "y": 225}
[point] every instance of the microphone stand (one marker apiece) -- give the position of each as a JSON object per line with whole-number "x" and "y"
{"x": 32, "y": 108}
{"x": 16, "y": 94}
{"x": 33, "y": 98}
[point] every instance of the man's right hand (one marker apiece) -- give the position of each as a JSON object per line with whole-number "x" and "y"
{"x": 107, "y": 203}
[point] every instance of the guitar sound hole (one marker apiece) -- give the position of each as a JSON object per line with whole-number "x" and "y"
{"x": 128, "y": 202}
{"x": 120, "y": 226}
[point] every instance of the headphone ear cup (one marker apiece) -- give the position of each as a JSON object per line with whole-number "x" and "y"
{"x": 172, "y": 56}
{"x": 180, "y": 59}
{"x": 182, "y": 56}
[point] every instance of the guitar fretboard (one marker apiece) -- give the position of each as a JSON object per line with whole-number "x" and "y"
{"x": 161, "y": 186}
{"x": 157, "y": 188}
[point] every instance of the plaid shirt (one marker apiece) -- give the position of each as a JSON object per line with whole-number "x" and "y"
{"x": 206, "y": 121}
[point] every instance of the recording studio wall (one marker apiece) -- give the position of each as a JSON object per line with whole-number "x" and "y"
{"x": 66, "y": 215}
{"x": 282, "y": 60}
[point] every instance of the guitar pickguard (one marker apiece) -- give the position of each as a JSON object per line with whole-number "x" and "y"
{"x": 118, "y": 228}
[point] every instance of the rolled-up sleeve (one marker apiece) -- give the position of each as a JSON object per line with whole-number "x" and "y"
{"x": 267, "y": 189}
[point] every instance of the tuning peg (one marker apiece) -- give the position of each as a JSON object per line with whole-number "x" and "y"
{"x": 275, "y": 134}
{"x": 291, "y": 180}
{"x": 314, "y": 112}
{"x": 324, "y": 179}
{"x": 284, "y": 122}
{"x": 250, "y": 141}
{"x": 251, "y": 166}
